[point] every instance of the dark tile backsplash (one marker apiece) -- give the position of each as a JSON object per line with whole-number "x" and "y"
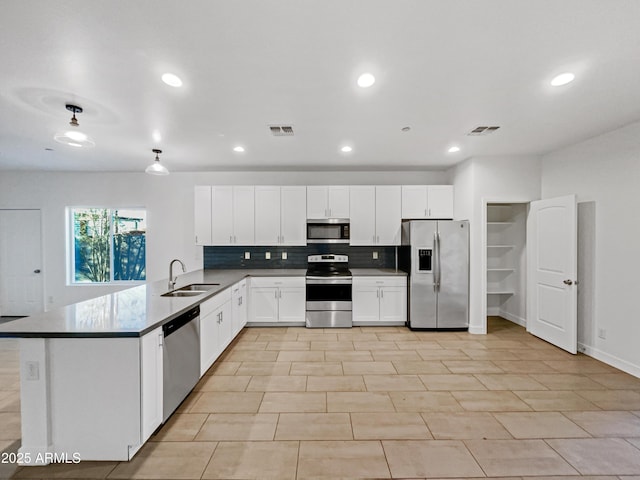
{"x": 233, "y": 257}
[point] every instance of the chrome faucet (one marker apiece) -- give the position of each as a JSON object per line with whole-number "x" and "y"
{"x": 172, "y": 279}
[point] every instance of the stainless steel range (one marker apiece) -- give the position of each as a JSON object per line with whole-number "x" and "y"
{"x": 329, "y": 284}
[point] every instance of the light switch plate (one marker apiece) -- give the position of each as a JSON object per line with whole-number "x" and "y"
{"x": 284, "y": 255}
{"x": 247, "y": 255}
{"x": 375, "y": 255}
{"x": 267, "y": 255}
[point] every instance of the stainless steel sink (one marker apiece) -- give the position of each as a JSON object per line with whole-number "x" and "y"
{"x": 201, "y": 287}
{"x": 183, "y": 293}
{"x": 191, "y": 290}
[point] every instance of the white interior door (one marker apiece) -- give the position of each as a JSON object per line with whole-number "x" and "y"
{"x": 552, "y": 271}
{"x": 20, "y": 263}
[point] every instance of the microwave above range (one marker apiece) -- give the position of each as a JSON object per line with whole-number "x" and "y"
{"x": 328, "y": 230}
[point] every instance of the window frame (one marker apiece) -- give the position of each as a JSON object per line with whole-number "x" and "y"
{"x": 71, "y": 251}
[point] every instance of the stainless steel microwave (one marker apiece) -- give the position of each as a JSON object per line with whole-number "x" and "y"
{"x": 328, "y": 230}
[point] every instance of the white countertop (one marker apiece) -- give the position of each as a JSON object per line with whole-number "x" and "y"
{"x": 135, "y": 311}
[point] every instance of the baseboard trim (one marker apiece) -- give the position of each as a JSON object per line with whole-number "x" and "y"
{"x": 513, "y": 318}
{"x": 612, "y": 360}
{"x": 478, "y": 330}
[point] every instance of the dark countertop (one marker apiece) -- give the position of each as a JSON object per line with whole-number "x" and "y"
{"x": 138, "y": 310}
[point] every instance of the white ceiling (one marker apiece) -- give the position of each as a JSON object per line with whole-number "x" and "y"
{"x": 442, "y": 67}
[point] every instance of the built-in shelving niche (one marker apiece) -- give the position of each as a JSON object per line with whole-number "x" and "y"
{"x": 506, "y": 261}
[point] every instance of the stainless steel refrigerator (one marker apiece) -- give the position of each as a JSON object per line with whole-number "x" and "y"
{"x": 435, "y": 253}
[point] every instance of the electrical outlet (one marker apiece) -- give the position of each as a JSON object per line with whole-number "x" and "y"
{"x": 247, "y": 255}
{"x": 375, "y": 255}
{"x": 284, "y": 255}
{"x": 33, "y": 370}
{"x": 602, "y": 333}
{"x": 267, "y": 255}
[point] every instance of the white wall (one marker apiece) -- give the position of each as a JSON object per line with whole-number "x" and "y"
{"x": 169, "y": 204}
{"x": 480, "y": 180}
{"x": 605, "y": 171}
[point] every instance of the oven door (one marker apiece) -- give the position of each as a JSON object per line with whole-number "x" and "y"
{"x": 325, "y": 293}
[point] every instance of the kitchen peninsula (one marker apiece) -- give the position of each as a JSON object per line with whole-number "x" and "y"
{"x": 91, "y": 373}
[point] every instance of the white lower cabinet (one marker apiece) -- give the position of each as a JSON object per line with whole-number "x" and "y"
{"x": 216, "y": 331}
{"x": 151, "y": 381}
{"x": 239, "y": 312}
{"x": 379, "y": 300}
{"x": 277, "y": 299}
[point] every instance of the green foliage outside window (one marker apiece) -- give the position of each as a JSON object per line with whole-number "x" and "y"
{"x": 108, "y": 245}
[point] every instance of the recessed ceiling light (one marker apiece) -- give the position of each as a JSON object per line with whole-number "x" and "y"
{"x": 366, "y": 80}
{"x": 172, "y": 80}
{"x": 563, "y": 79}
{"x": 346, "y": 149}
{"x": 454, "y": 149}
{"x": 238, "y": 149}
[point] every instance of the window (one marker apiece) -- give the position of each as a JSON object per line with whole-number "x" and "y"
{"x": 107, "y": 245}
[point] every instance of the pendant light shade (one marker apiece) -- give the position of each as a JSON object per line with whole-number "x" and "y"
{"x": 156, "y": 168}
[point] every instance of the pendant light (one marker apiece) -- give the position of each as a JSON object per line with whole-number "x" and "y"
{"x": 156, "y": 168}
{"x": 74, "y": 138}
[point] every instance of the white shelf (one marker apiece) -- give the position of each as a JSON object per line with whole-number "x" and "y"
{"x": 501, "y": 270}
{"x": 504, "y": 292}
{"x": 500, "y": 223}
{"x": 500, "y": 246}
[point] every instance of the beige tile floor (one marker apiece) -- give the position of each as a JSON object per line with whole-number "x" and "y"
{"x": 289, "y": 403}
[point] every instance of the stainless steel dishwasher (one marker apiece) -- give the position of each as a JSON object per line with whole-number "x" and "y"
{"x": 181, "y": 359}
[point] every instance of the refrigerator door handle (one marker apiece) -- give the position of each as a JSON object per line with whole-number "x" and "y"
{"x": 436, "y": 262}
{"x": 438, "y": 272}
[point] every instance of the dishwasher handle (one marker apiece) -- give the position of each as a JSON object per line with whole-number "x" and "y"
{"x": 179, "y": 322}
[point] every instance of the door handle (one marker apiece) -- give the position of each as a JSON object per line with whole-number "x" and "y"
{"x": 568, "y": 282}
{"x": 37, "y": 270}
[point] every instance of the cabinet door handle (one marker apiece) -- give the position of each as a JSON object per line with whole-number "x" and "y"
{"x": 429, "y": 212}
{"x": 276, "y": 293}
{"x": 381, "y": 293}
{"x": 377, "y": 293}
{"x": 282, "y": 239}
{"x": 240, "y": 301}
{"x": 425, "y": 212}
{"x": 230, "y": 238}
{"x": 160, "y": 339}
{"x": 196, "y": 239}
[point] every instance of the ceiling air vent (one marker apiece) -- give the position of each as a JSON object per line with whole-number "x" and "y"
{"x": 281, "y": 130}
{"x": 483, "y": 130}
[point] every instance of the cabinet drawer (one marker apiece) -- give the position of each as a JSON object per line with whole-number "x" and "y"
{"x": 380, "y": 281}
{"x": 277, "y": 282}
{"x": 216, "y": 302}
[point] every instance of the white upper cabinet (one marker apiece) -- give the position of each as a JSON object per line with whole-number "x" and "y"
{"x": 222, "y": 215}
{"x": 267, "y": 215}
{"x": 388, "y": 215}
{"x": 243, "y": 215}
{"x": 293, "y": 215}
{"x": 375, "y": 215}
{"x": 440, "y": 201}
{"x": 232, "y": 216}
{"x": 427, "y": 201}
{"x": 327, "y": 202}
{"x": 202, "y": 210}
{"x": 280, "y": 215}
{"x": 363, "y": 215}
